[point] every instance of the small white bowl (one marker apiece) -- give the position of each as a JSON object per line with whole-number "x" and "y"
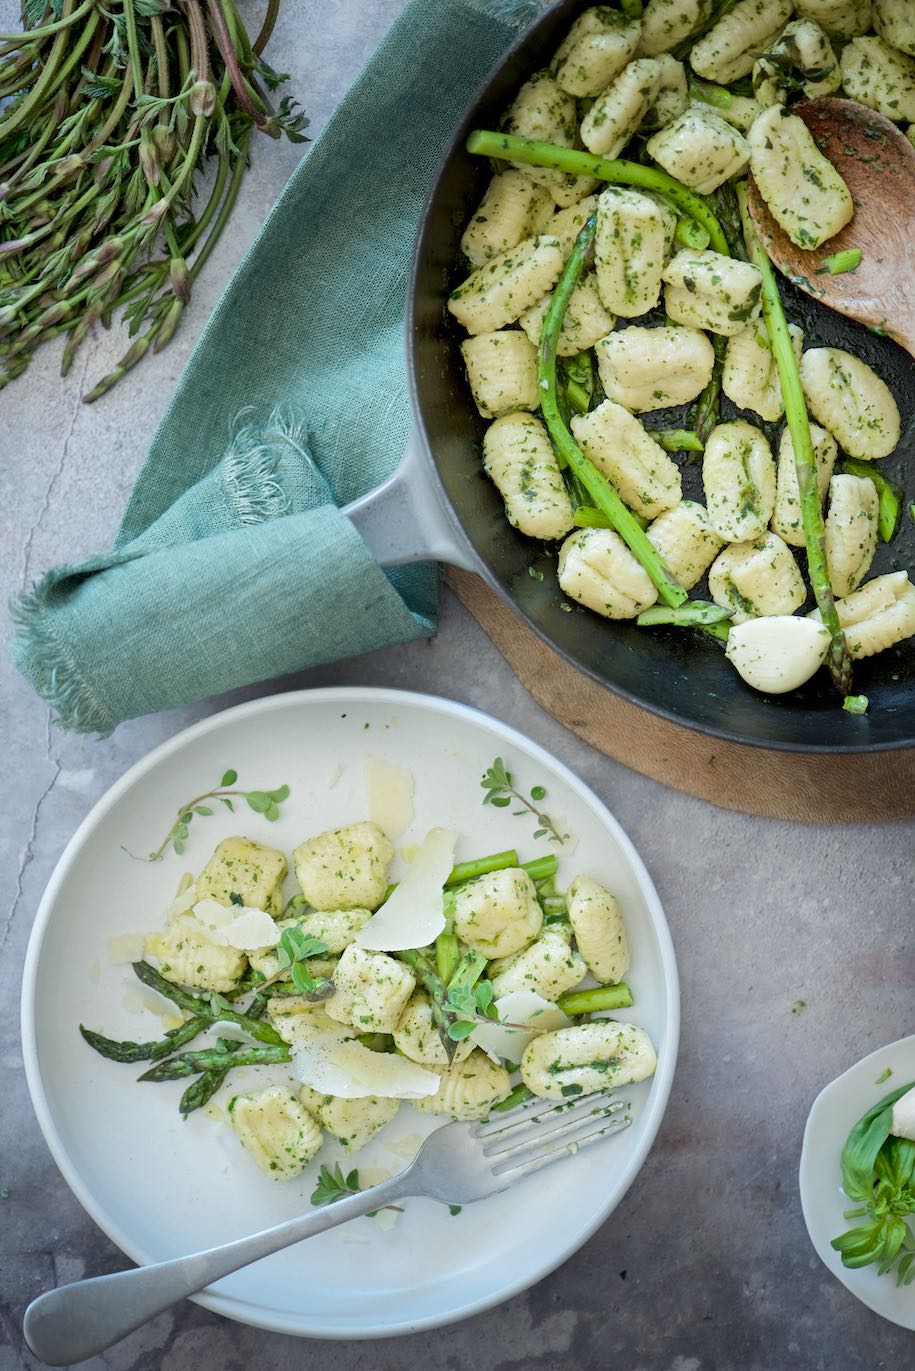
{"x": 835, "y": 1112}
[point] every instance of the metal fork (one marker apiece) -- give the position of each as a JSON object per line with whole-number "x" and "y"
{"x": 456, "y": 1164}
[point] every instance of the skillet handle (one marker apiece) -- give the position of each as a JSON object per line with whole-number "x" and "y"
{"x": 405, "y": 519}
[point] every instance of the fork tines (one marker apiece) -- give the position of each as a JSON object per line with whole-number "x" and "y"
{"x": 539, "y": 1131}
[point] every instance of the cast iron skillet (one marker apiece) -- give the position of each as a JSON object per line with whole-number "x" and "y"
{"x": 675, "y": 673}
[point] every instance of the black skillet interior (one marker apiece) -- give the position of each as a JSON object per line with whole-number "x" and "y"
{"x": 677, "y": 673}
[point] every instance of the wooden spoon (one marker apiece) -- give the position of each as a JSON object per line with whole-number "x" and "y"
{"x": 877, "y": 163}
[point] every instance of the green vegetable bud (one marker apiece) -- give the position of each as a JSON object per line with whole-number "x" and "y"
{"x": 112, "y": 247}
{"x": 69, "y": 166}
{"x": 149, "y": 160}
{"x": 166, "y": 143}
{"x": 8, "y": 316}
{"x": 202, "y": 98}
{"x": 179, "y": 278}
{"x": 106, "y": 275}
{"x": 55, "y": 314}
{"x": 100, "y": 175}
{"x": 167, "y": 331}
{"x": 155, "y": 214}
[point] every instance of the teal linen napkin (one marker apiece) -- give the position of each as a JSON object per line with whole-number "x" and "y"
{"x": 234, "y": 563}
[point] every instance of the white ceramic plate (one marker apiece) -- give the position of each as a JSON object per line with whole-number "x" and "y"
{"x": 835, "y": 1112}
{"x": 160, "y": 1187}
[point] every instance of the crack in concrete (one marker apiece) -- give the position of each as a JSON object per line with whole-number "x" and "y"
{"x": 58, "y": 472}
{"x": 28, "y": 852}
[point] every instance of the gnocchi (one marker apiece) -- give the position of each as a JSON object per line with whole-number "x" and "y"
{"x": 188, "y": 957}
{"x": 802, "y": 189}
{"x": 371, "y": 990}
{"x": 600, "y": 933}
{"x": 344, "y": 868}
{"x": 548, "y": 967}
{"x": 617, "y": 113}
{"x": 686, "y": 541}
{"x": 643, "y": 474}
{"x": 498, "y": 914}
{"x": 700, "y": 149}
{"x": 597, "y": 47}
{"x": 352, "y": 1122}
{"x": 650, "y": 368}
{"x": 787, "y": 520}
{"x": 468, "y": 1089}
{"x": 749, "y": 375}
{"x": 587, "y": 1058}
{"x": 839, "y": 18}
{"x": 497, "y": 293}
{"x": 597, "y": 570}
{"x": 631, "y": 244}
{"x": 729, "y": 49}
{"x": 851, "y": 531}
{"x": 586, "y": 320}
{"x": 738, "y": 474}
{"x": 512, "y": 209}
{"x": 803, "y": 55}
{"x": 276, "y": 1130}
{"x": 878, "y": 615}
{"x": 850, "y": 400}
{"x": 880, "y": 77}
{"x": 241, "y": 869}
{"x": 894, "y": 21}
{"x": 666, "y": 23}
{"x": 542, "y": 110}
{"x": 758, "y": 578}
{"x": 706, "y": 290}
{"x": 519, "y": 459}
{"x": 501, "y": 372}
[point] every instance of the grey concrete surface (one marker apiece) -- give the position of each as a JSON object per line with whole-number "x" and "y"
{"x": 706, "y": 1265}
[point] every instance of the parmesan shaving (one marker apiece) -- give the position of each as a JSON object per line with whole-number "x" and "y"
{"x": 183, "y": 901}
{"x": 327, "y": 1057}
{"x": 519, "y": 1007}
{"x": 236, "y": 926}
{"x": 390, "y": 795}
{"x": 413, "y": 916}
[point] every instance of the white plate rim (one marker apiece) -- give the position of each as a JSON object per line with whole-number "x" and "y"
{"x": 858, "y": 1075}
{"x": 655, "y": 1105}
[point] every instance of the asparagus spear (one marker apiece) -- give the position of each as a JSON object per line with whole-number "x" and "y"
{"x": 217, "y": 1058}
{"x": 789, "y": 376}
{"x": 591, "y": 1001}
{"x": 598, "y": 487}
{"x": 201, "y": 1006}
{"x": 149, "y": 1051}
{"x": 509, "y": 147}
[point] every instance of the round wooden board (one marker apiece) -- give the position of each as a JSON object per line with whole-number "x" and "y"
{"x": 811, "y": 787}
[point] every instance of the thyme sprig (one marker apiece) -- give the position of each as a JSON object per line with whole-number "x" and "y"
{"x": 266, "y": 802}
{"x": 501, "y": 791}
{"x": 333, "y": 1185}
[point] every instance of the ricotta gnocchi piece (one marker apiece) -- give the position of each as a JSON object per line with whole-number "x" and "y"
{"x": 468, "y": 1089}
{"x": 512, "y": 209}
{"x": 595, "y": 50}
{"x": 501, "y": 372}
{"x": 623, "y": 451}
{"x": 749, "y": 375}
{"x": 880, "y": 77}
{"x": 345, "y": 868}
{"x": 738, "y": 474}
{"x": 706, "y": 290}
{"x": 518, "y": 458}
{"x": 651, "y": 368}
{"x": 787, "y": 519}
{"x": 617, "y": 114}
{"x": 242, "y": 870}
{"x": 542, "y": 110}
{"x": 600, "y": 933}
{"x": 586, "y": 320}
{"x": 587, "y": 1058}
{"x": 498, "y": 914}
{"x": 700, "y": 149}
{"x": 277, "y": 1130}
{"x": 758, "y": 578}
{"x": 371, "y": 990}
{"x": 548, "y": 967}
{"x": 632, "y": 242}
{"x": 501, "y": 290}
{"x": 850, "y": 400}
{"x": 802, "y": 189}
{"x": 838, "y": 18}
{"x": 729, "y": 50}
{"x": 802, "y": 55}
{"x": 894, "y": 20}
{"x": 878, "y": 615}
{"x": 851, "y": 531}
{"x": 686, "y": 541}
{"x": 666, "y": 23}
{"x": 352, "y": 1122}
{"x": 597, "y": 569}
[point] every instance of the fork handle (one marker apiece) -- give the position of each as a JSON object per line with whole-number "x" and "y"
{"x": 74, "y": 1322}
